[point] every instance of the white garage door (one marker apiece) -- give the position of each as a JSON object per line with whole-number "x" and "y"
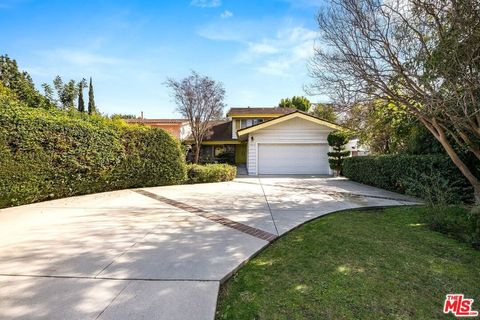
{"x": 293, "y": 159}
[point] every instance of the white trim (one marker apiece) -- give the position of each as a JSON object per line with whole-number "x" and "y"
{"x": 296, "y": 114}
{"x": 234, "y": 129}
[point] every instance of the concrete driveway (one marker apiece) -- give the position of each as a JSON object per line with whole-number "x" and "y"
{"x": 154, "y": 253}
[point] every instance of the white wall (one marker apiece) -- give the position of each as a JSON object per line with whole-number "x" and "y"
{"x": 185, "y": 131}
{"x": 295, "y": 130}
{"x": 354, "y": 146}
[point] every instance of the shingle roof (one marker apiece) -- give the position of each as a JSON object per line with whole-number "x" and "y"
{"x": 160, "y": 121}
{"x": 253, "y": 110}
{"x": 220, "y": 131}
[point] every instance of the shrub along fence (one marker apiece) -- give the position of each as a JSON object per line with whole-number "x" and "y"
{"x": 433, "y": 178}
{"x": 53, "y": 154}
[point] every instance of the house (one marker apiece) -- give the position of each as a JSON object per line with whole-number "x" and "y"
{"x": 356, "y": 148}
{"x": 179, "y": 128}
{"x": 272, "y": 141}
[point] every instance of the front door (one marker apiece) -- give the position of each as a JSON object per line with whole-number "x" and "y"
{"x": 241, "y": 153}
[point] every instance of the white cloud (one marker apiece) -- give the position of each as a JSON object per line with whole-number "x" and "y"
{"x": 262, "y": 48}
{"x": 289, "y": 49}
{"x": 226, "y": 14}
{"x": 80, "y": 57}
{"x": 206, "y": 3}
{"x": 275, "y": 67}
{"x": 282, "y": 50}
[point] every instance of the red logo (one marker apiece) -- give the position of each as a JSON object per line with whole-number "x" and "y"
{"x": 459, "y": 306}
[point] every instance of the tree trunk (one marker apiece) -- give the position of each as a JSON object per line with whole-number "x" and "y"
{"x": 197, "y": 153}
{"x": 476, "y": 193}
{"x": 439, "y": 134}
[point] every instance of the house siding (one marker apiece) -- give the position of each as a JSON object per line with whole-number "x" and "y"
{"x": 291, "y": 131}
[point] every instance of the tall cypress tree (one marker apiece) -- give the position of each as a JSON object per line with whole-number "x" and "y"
{"x": 81, "y": 102}
{"x": 91, "y": 99}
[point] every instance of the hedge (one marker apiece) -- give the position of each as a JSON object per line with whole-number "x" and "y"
{"x": 53, "y": 154}
{"x": 433, "y": 178}
{"x": 210, "y": 173}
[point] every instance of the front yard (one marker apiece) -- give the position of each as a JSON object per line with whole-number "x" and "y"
{"x": 383, "y": 264}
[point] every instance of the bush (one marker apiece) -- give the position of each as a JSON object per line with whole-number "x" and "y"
{"x": 210, "y": 173}
{"x": 337, "y": 140}
{"x": 455, "y": 221}
{"x": 52, "y": 154}
{"x": 433, "y": 178}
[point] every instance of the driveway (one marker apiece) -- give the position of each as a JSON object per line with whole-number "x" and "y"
{"x": 154, "y": 253}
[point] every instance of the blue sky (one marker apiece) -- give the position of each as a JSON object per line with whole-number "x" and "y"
{"x": 257, "y": 49}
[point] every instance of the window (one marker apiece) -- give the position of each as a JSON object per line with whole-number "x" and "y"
{"x": 218, "y": 150}
{"x": 224, "y": 148}
{"x": 244, "y": 123}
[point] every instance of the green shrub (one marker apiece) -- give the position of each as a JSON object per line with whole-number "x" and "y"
{"x": 210, "y": 173}
{"x": 337, "y": 140}
{"x": 431, "y": 177}
{"x": 455, "y": 221}
{"x": 46, "y": 154}
{"x": 434, "y": 188}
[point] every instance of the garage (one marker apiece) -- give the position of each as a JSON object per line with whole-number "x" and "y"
{"x": 285, "y": 158}
{"x": 295, "y": 143}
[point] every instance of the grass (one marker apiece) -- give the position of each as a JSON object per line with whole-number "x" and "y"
{"x": 383, "y": 264}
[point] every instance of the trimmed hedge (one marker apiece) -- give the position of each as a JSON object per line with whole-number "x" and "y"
{"x": 433, "y": 178}
{"x": 210, "y": 173}
{"x": 53, "y": 154}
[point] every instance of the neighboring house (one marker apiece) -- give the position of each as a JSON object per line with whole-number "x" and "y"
{"x": 357, "y": 149}
{"x": 179, "y": 128}
{"x": 272, "y": 141}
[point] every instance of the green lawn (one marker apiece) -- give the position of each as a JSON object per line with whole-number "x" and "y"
{"x": 381, "y": 264}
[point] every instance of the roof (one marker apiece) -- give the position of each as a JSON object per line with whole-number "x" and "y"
{"x": 259, "y": 111}
{"x": 157, "y": 121}
{"x": 220, "y": 131}
{"x": 295, "y": 114}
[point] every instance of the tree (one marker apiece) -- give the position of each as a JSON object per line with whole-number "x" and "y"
{"x": 20, "y": 83}
{"x": 91, "y": 99}
{"x": 67, "y": 92}
{"x": 200, "y": 100}
{"x": 81, "y": 103}
{"x": 423, "y": 54}
{"x": 49, "y": 95}
{"x": 337, "y": 140}
{"x": 299, "y": 103}
{"x": 383, "y": 126}
{"x": 324, "y": 111}
{"x": 387, "y": 128}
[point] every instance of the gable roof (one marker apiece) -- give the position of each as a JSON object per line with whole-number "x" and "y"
{"x": 259, "y": 111}
{"x": 295, "y": 114}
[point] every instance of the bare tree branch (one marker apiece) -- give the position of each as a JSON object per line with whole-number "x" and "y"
{"x": 424, "y": 54}
{"x": 200, "y": 100}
